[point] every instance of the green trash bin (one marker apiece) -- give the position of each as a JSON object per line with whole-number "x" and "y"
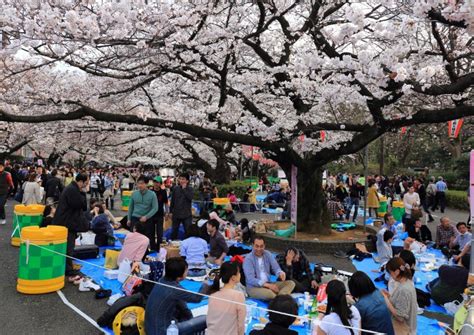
{"x": 126, "y": 195}
{"x": 25, "y": 216}
{"x": 398, "y": 209}
{"x": 382, "y": 206}
{"x": 42, "y": 261}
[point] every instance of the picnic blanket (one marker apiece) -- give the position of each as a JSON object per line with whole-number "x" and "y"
{"x": 425, "y": 325}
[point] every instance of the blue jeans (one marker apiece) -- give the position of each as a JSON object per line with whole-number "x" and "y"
{"x": 352, "y": 202}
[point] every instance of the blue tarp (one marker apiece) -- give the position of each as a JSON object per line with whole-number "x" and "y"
{"x": 425, "y": 325}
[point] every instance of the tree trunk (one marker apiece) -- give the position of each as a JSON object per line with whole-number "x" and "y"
{"x": 382, "y": 157}
{"x": 313, "y": 216}
{"x": 221, "y": 174}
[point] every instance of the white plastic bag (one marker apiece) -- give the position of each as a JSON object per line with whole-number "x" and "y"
{"x": 125, "y": 269}
{"x": 452, "y": 307}
{"x": 87, "y": 238}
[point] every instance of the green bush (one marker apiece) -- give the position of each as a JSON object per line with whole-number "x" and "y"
{"x": 239, "y": 188}
{"x": 457, "y": 199}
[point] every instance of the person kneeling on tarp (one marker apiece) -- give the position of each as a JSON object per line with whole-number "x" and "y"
{"x": 259, "y": 265}
{"x": 165, "y": 302}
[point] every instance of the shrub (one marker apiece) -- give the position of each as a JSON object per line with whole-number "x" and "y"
{"x": 239, "y": 188}
{"x": 457, "y": 199}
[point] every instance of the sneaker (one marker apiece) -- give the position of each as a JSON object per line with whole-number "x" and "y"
{"x": 87, "y": 285}
{"x": 420, "y": 311}
{"x": 3, "y": 222}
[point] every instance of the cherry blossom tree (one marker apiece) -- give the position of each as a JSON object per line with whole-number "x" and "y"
{"x": 262, "y": 73}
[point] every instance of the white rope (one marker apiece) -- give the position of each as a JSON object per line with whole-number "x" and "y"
{"x": 317, "y": 321}
{"x": 78, "y": 311}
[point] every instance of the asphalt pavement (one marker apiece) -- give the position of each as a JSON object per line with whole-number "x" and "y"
{"x": 47, "y": 314}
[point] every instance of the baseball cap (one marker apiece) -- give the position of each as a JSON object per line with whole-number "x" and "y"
{"x": 158, "y": 179}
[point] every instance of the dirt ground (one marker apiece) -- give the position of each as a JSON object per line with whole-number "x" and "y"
{"x": 352, "y": 234}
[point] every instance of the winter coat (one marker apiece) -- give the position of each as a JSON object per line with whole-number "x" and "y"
{"x": 71, "y": 209}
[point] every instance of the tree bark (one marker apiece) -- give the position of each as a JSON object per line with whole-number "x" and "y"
{"x": 313, "y": 216}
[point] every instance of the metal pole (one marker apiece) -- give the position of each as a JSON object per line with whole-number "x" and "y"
{"x": 366, "y": 172}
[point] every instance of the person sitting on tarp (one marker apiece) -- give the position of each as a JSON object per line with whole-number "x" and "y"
{"x": 229, "y": 215}
{"x": 103, "y": 230}
{"x": 451, "y": 283}
{"x": 384, "y": 250}
{"x": 194, "y": 250}
{"x": 389, "y": 224}
{"x": 218, "y": 248}
{"x": 457, "y": 246}
{"x": 296, "y": 266}
{"x": 165, "y": 300}
{"x": 280, "y": 323}
{"x": 419, "y": 232}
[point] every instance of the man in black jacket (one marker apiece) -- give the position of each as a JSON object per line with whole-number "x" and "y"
{"x": 296, "y": 266}
{"x": 181, "y": 202}
{"x": 71, "y": 214}
{"x": 53, "y": 188}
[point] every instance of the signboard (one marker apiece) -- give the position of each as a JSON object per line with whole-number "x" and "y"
{"x": 454, "y": 128}
{"x": 294, "y": 194}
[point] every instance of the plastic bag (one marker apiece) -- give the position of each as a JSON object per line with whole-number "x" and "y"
{"x": 111, "y": 257}
{"x": 125, "y": 268}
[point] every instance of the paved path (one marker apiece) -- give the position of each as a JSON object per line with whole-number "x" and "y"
{"x": 46, "y": 314}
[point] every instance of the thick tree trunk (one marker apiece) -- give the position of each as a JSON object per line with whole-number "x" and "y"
{"x": 312, "y": 215}
{"x": 221, "y": 174}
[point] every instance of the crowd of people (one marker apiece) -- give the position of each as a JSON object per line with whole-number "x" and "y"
{"x": 258, "y": 274}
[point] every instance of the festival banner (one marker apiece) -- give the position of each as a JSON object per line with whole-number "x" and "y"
{"x": 454, "y": 128}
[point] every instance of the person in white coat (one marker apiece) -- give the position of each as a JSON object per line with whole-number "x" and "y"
{"x": 31, "y": 191}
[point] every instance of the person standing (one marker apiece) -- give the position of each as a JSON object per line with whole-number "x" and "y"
{"x": 181, "y": 202}
{"x": 422, "y": 192}
{"x": 6, "y": 183}
{"x": 157, "y": 219}
{"x": 31, "y": 191}
{"x": 53, "y": 188}
{"x": 441, "y": 189}
{"x": 71, "y": 214}
{"x": 143, "y": 205}
{"x": 109, "y": 192}
{"x": 95, "y": 181}
{"x": 411, "y": 200}
{"x": 372, "y": 198}
{"x": 354, "y": 198}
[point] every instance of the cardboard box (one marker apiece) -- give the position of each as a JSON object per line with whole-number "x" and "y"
{"x": 171, "y": 252}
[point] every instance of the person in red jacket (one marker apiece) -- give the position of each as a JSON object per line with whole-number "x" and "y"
{"x": 6, "y": 183}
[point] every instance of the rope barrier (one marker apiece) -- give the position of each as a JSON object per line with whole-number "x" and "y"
{"x": 313, "y": 320}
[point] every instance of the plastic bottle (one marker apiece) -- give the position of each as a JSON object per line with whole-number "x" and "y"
{"x": 172, "y": 329}
{"x": 313, "y": 312}
{"x": 307, "y": 301}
